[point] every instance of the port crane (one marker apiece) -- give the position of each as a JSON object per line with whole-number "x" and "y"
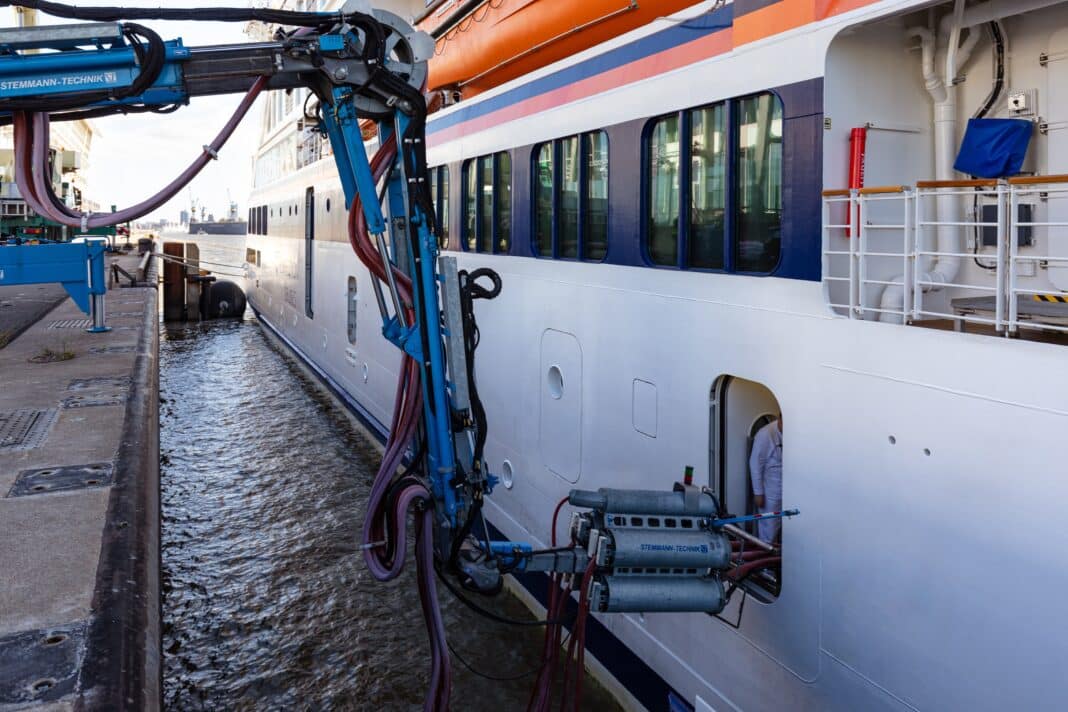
{"x": 626, "y": 550}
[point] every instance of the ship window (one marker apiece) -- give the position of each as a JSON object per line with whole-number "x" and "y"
{"x": 439, "y": 192}
{"x": 503, "y": 203}
{"x": 353, "y": 302}
{"x": 486, "y": 204}
{"x": 309, "y": 250}
{"x": 328, "y": 205}
{"x": 759, "y": 164}
{"x": 543, "y": 201}
{"x": 571, "y": 197}
{"x": 595, "y": 213}
{"x": 263, "y": 220}
{"x": 567, "y": 199}
{"x": 663, "y": 191}
{"x": 487, "y": 223}
{"x": 708, "y": 177}
{"x": 720, "y": 166}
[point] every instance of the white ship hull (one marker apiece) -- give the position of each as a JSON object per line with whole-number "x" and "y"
{"x": 925, "y": 569}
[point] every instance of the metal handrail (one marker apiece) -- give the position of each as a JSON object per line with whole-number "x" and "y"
{"x": 1006, "y": 260}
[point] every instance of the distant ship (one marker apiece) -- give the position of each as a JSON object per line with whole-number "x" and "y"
{"x": 208, "y": 225}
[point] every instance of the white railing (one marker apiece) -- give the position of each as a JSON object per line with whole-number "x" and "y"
{"x": 928, "y": 230}
{"x": 866, "y": 231}
{"x": 871, "y": 217}
{"x": 1044, "y": 188}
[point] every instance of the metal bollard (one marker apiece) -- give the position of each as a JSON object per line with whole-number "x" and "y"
{"x": 98, "y": 286}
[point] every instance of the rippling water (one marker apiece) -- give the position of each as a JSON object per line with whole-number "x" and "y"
{"x": 267, "y": 604}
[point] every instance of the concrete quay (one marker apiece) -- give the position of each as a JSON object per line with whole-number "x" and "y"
{"x": 79, "y": 503}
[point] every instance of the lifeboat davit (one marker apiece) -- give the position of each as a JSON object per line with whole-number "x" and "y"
{"x": 483, "y": 43}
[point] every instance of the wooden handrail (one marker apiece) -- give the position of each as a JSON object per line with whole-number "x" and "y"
{"x": 1038, "y": 180}
{"x": 874, "y": 190}
{"x": 981, "y": 183}
{"x": 883, "y": 190}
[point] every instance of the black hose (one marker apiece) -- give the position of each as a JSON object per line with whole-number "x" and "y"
{"x": 209, "y": 14}
{"x": 470, "y": 290}
{"x": 495, "y": 616}
{"x": 988, "y": 104}
{"x": 999, "y": 70}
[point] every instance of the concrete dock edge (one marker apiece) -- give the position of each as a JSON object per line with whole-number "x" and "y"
{"x": 123, "y": 670}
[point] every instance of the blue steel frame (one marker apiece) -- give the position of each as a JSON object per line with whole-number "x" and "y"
{"x": 78, "y": 266}
{"x": 112, "y": 64}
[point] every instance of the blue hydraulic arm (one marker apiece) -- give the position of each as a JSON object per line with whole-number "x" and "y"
{"x": 95, "y": 67}
{"x": 640, "y": 550}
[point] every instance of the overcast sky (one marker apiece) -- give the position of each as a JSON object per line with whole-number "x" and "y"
{"x": 135, "y": 156}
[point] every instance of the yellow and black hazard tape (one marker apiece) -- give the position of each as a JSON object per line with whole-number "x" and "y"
{"x": 1051, "y": 298}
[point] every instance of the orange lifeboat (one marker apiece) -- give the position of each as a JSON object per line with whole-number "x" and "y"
{"x": 484, "y": 43}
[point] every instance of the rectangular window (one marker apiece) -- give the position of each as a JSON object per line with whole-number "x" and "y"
{"x": 503, "y": 202}
{"x": 487, "y": 223}
{"x": 543, "y": 201}
{"x": 471, "y": 204}
{"x": 567, "y": 201}
{"x": 309, "y": 250}
{"x": 663, "y": 191}
{"x": 571, "y": 197}
{"x": 708, "y": 175}
{"x": 721, "y": 167}
{"x": 439, "y": 192}
{"x": 486, "y": 204}
{"x": 758, "y": 133}
{"x": 353, "y": 303}
{"x": 596, "y": 218}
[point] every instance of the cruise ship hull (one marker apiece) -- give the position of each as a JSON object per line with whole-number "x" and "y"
{"x": 899, "y": 529}
{"x": 926, "y": 463}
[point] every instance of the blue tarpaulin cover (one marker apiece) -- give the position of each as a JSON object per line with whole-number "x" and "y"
{"x": 994, "y": 148}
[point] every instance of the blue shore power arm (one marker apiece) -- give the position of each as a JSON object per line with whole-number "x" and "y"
{"x": 651, "y": 550}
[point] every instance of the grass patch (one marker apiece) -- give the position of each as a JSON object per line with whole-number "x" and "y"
{"x": 50, "y": 355}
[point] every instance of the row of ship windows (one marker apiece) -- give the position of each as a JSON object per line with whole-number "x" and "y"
{"x": 259, "y": 217}
{"x": 711, "y": 182}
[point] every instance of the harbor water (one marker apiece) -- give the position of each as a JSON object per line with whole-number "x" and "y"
{"x": 267, "y": 603}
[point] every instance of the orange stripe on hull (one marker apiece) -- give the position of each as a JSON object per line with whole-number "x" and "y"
{"x": 773, "y": 19}
{"x": 658, "y": 64}
{"x": 830, "y": 8}
{"x": 789, "y": 15}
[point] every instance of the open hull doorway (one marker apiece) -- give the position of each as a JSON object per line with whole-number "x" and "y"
{"x": 739, "y": 408}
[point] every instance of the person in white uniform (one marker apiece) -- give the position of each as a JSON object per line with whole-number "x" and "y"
{"x": 765, "y": 467}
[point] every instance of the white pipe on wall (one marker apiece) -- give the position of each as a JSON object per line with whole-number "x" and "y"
{"x": 943, "y": 91}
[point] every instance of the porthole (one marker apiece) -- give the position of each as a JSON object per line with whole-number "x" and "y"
{"x": 507, "y": 476}
{"x": 328, "y": 205}
{"x": 555, "y": 379}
